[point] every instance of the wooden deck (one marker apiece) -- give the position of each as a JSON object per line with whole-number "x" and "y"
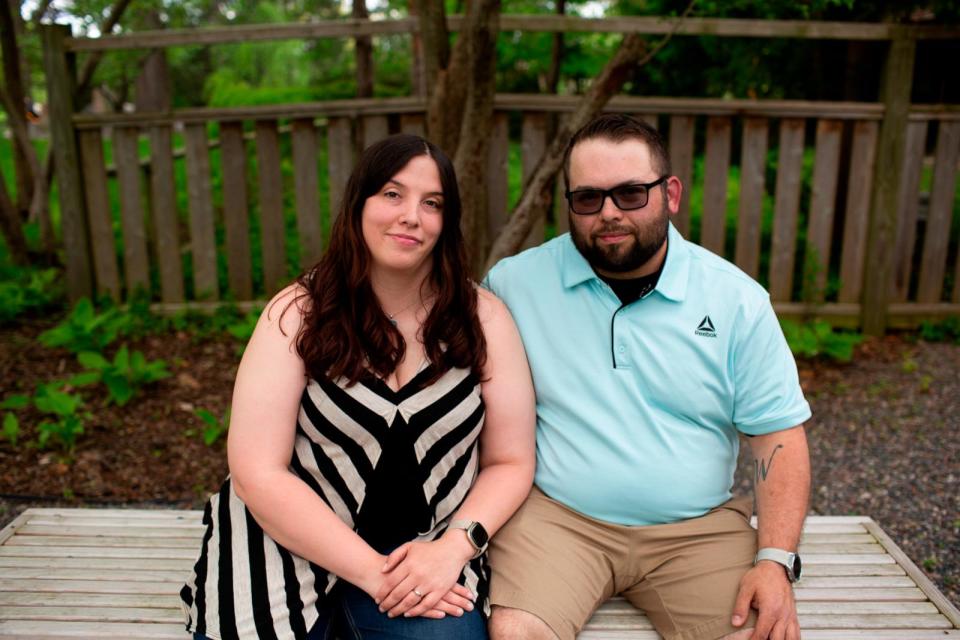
{"x": 111, "y": 573}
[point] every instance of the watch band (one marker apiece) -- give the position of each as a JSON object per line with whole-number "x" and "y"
{"x": 476, "y": 534}
{"x": 789, "y": 560}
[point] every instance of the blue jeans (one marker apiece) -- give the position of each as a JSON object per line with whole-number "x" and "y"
{"x": 353, "y": 615}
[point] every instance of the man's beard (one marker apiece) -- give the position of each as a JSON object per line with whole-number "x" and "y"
{"x": 647, "y": 240}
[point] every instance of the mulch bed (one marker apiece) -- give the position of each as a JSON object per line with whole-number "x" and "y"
{"x": 885, "y": 438}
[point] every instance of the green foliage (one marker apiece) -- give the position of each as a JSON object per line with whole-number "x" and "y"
{"x": 65, "y": 419}
{"x": 123, "y": 377}
{"x": 11, "y": 428}
{"x": 84, "y": 329}
{"x": 243, "y": 328}
{"x": 214, "y": 427}
{"x": 26, "y": 290}
{"x": 945, "y": 331}
{"x": 818, "y": 339}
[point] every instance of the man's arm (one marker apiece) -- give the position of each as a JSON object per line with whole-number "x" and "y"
{"x": 782, "y": 486}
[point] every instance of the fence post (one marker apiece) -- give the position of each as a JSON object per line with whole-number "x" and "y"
{"x": 61, "y": 83}
{"x": 895, "y": 91}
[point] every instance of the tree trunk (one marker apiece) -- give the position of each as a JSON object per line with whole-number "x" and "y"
{"x": 364, "y": 53}
{"x": 447, "y": 88}
{"x": 470, "y": 160}
{"x": 10, "y": 222}
{"x": 536, "y": 194}
{"x": 556, "y": 54}
{"x": 24, "y": 176}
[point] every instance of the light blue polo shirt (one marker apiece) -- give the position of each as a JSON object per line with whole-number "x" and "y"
{"x": 638, "y": 406}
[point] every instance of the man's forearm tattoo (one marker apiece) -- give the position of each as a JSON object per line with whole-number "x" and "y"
{"x": 762, "y": 467}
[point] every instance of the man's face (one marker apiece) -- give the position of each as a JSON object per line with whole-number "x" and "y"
{"x": 617, "y": 243}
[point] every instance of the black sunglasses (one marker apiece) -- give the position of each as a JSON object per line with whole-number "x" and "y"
{"x": 627, "y": 197}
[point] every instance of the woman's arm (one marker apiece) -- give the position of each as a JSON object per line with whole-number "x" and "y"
{"x": 266, "y": 401}
{"x": 507, "y": 460}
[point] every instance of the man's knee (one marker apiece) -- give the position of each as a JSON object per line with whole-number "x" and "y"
{"x": 742, "y": 634}
{"x": 516, "y": 624}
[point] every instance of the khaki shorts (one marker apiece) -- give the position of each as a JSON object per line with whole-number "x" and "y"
{"x": 560, "y": 565}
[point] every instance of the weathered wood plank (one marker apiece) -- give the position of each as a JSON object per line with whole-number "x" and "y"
{"x": 856, "y": 582}
{"x": 175, "y": 577}
{"x": 102, "y": 541}
{"x": 497, "y": 176}
{"x": 340, "y": 158}
{"x": 826, "y": 164}
{"x": 413, "y": 123}
{"x": 681, "y": 159}
{"x": 752, "y": 166}
{"x": 135, "y": 258}
{"x": 95, "y": 564}
{"x": 55, "y": 629}
{"x": 61, "y": 80}
{"x": 885, "y": 634}
{"x": 852, "y": 570}
{"x": 897, "y": 594}
{"x": 166, "y": 222}
{"x": 99, "y": 218}
{"x": 374, "y": 129}
{"x": 105, "y": 615}
{"x": 533, "y": 143}
{"x": 203, "y": 241}
{"x": 937, "y": 235}
{"x": 858, "y": 208}
{"x": 908, "y": 210}
{"x": 153, "y": 601}
{"x": 307, "y": 190}
{"x": 874, "y": 621}
{"x": 786, "y": 208}
{"x": 84, "y": 586}
{"x": 236, "y": 213}
{"x": 95, "y": 552}
{"x": 97, "y": 513}
{"x": 716, "y": 170}
{"x": 270, "y": 179}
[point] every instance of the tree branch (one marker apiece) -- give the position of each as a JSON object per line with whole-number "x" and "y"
{"x": 86, "y": 75}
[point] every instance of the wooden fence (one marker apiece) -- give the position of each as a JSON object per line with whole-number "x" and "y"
{"x": 887, "y": 261}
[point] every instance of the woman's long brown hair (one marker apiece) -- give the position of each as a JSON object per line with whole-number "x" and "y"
{"x": 345, "y": 332}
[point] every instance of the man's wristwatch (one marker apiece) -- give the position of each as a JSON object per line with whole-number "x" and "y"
{"x": 476, "y": 534}
{"x": 789, "y": 560}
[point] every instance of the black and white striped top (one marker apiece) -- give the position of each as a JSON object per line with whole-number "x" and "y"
{"x": 394, "y": 465}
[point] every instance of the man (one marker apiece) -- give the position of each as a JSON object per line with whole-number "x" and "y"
{"x": 649, "y": 354}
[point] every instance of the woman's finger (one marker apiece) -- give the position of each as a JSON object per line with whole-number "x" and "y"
{"x": 396, "y": 557}
{"x": 461, "y": 590}
{"x": 456, "y": 600}
{"x": 396, "y": 595}
{"x": 406, "y": 603}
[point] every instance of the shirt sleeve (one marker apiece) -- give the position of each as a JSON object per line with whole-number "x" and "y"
{"x": 768, "y": 396}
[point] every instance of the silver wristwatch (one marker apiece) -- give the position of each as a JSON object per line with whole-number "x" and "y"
{"x": 476, "y": 534}
{"x": 789, "y": 560}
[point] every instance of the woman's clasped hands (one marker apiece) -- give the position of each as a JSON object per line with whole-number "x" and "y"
{"x": 420, "y": 578}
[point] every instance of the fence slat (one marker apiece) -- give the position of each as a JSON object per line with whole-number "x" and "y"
{"x": 752, "y": 164}
{"x": 786, "y": 206}
{"x": 497, "y": 160}
{"x": 717, "y": 167}
{"x": 127, "y": 160}
{"x": 163, "y": 205}
{"x": 270, "y": 181}
{"x": 99, "y": 219}
{"x": 862, "y": 159}
{"x": 681, "y": 157}
{"x": 533, "y": 144}
{"x": 937, "y": 235}
{"x": 307, "y": 189}
{"x": 340, "y": 157}
{"x": 374, "y": 129}
{"x": 202, "y": 238}
{"x": 413, "y": 123}
{"x": 826, "y": 164}
{"x": 236, "y": 216}
{"x": 908, "y": 210}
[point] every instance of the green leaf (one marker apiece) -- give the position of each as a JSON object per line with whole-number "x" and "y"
{"x": 16, "y": 401}
{"x": 122, "y": 360}
{"x": 92, "y": 360}
{"x": 11, "y": 428}
{"x": 207, "y": 417}
{"x": 85, "y": 379}
{"x": 50, "y": 400}
{"x": 119, "y": 388}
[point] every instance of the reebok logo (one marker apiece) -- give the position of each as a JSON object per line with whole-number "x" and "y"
{"x": 706, "y": 328}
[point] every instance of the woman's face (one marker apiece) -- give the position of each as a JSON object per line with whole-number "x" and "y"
{"x": 402, "y": 221}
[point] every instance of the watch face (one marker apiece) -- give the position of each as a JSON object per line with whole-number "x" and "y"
{"x": 796, "y": 567}
{"x": 478, "y": 535}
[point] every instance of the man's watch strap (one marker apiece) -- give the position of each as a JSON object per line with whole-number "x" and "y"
{"x": 476, "y": 534}
{"x": 790, "y": 561}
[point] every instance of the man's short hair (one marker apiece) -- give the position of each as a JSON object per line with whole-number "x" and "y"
{"x": 618, "y": 127}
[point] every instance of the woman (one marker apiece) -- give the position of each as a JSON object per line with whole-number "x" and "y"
{"x": 382, "y": 423}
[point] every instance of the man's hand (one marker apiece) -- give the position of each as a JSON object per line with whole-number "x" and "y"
{"x": 766, "y": 587}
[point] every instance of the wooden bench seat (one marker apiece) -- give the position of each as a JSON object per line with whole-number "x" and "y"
{"x": 116, "y": 573}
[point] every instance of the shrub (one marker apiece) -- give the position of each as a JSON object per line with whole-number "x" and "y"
{"x": 85, "y": 330}
{"x": 813, "y": 339}
{"x": 123, "y": 377}
{"x": 66, "y": 420}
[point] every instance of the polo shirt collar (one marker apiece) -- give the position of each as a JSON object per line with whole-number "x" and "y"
{"x": 673, "y": 280}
